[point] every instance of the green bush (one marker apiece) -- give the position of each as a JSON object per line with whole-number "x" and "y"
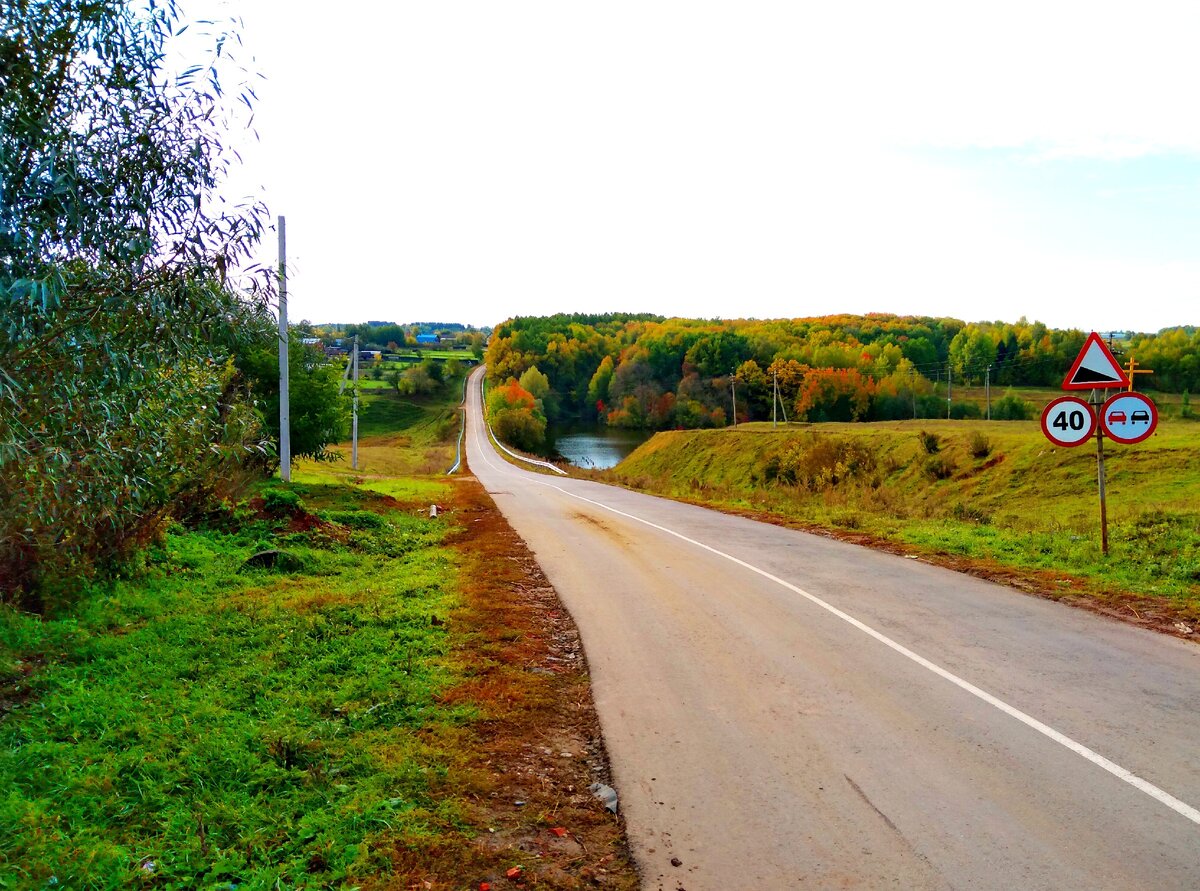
{"x": 939, "y": 467}
{"x": 820, "y": 462}
{"x": 357, "y": 519}
{"x": 979, "y": 445}
{"x": 1011, "y": 407}
{"x": 282, "y": 501}
{"x": 969, "y": 513}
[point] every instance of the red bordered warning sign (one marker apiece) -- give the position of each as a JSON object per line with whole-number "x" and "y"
{"x": 1095, "y": 368}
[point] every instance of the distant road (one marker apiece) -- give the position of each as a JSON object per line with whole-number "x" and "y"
{"x": 784, "y": 710}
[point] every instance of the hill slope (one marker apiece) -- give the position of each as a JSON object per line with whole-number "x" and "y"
{"x": 997, "y": 494}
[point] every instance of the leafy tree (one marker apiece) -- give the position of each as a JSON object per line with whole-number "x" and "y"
{"x": 117, "y": 405}
{"x": 597, "y": 391}
{"x": 1011, "y": 407}
{"x": 515, "y": 418}
{"x": 718, "y": 354}
{"x": 317, "y": 415}
{"x": 416, "y": 381}
{"x": 536, "y": 383}
{"x": 829, "y": 394}
{"x": 971, "y": 352}
{"x": 433, "y": 369}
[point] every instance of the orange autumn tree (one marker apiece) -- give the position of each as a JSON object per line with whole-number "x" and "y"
{"x": 834, "y": 394}
{"x": 515, "y": 417}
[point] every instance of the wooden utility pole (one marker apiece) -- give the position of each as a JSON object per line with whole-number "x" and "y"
{"x": 285, "y": 433}
{"x": 988, "y": 391}
{"x": 1131, "y": 369}
{"x": 733, "y": 386}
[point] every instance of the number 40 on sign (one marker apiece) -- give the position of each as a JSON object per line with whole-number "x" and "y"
{"x": 1068, "y": 421}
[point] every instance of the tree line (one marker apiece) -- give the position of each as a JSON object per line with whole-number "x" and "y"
{"x": 652, "y": 372}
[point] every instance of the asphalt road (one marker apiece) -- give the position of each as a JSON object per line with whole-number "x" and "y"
{"x": 783, "y": 710}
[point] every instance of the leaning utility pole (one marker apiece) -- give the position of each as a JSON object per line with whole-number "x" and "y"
{"x": 774, "y": 397}
{"x": 285, "y": 433}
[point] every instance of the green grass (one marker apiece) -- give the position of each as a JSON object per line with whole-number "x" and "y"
{"x": 402, "y": 443}
{"x": 203, "y": 725}
{"x": 1024, "y": 505}
{"x": 210, "y": 727}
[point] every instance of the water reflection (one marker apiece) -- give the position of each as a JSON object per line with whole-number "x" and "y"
{"x": 597, "y": 447}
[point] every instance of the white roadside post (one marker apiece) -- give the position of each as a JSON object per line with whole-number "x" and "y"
{"x": 352, "y": 373}
{"x": 354, "y": 417}
{"x": 285, "y": 433}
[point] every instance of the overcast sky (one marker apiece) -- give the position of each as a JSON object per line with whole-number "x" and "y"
{"x": 471, "y": 161}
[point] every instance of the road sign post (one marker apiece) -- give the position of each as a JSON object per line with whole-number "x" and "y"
{"x": 1125, "y": 417}
{"x": 1100, "y": 484}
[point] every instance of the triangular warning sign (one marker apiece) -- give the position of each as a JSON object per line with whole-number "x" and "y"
{"x": 1095, "y": 368}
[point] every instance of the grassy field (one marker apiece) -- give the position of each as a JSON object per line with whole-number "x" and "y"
{"x": 415, "y": 355}
{"x": 404, "y": 446}
{"x": 992, "y": 496}
{"x": 361, "y": 713}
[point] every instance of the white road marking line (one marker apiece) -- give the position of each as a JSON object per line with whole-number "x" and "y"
{"x": 1182, "y": 808}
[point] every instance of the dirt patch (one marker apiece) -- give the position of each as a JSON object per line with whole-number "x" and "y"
{"x": 602, "y": 527}
{"x": 528, "y": 763}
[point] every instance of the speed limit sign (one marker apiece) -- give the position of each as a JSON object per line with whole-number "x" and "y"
{"x": 1068, "y": 421}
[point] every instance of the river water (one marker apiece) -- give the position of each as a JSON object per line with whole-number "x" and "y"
{"x": 596, "y": 447}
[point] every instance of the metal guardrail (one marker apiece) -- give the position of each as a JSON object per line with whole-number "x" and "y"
{"x": 513, "y": 454}
{"x": 462, "y": 428}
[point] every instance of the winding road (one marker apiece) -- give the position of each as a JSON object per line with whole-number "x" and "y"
{"x": 784, "y": 710}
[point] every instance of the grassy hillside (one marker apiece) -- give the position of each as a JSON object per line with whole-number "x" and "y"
{"x": 996, "y": 493}
{"x": 405, "y": 444}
